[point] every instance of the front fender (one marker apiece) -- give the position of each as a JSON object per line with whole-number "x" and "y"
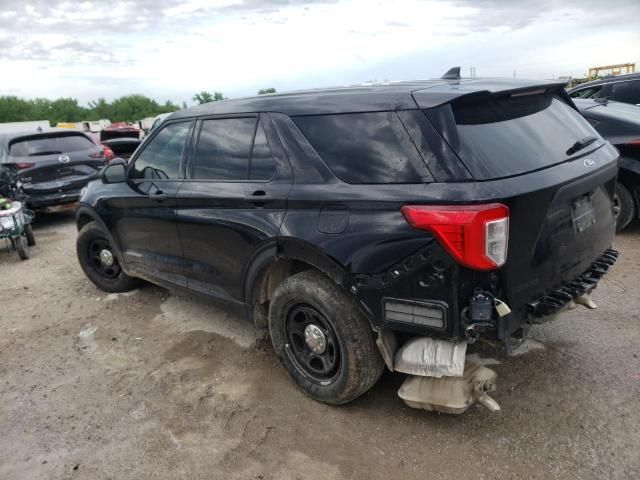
{"x": 85, "y": 214}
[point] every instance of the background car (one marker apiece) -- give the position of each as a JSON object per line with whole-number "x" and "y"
{"x": 158, "y": 120}
{"x": 53, "y": 165}
{"x": 621, "y": 88}
{"x": 620, "y": 124}
{"x": 121, "y": 139}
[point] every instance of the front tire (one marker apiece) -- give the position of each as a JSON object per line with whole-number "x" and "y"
{"x": 624, "y": 208}
{"x": 323, "y": 341}
{"x": 99, "y": 262}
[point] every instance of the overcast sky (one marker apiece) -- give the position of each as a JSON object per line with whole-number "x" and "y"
{"x": 170, "y": 49}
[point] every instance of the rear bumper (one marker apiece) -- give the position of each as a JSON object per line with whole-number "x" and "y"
{"x": 555, "y": 299}
{"x": 36, "y": 201}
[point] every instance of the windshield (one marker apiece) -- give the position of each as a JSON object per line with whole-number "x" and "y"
{"x": 511, "y": 136}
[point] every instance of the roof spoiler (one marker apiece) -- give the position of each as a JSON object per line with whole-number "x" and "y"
{"x": 452, "y": 74}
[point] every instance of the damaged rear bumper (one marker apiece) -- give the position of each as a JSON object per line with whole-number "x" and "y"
{"x": 555, "y": 299}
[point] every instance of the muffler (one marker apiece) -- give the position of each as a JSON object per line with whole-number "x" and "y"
{"x": 451, "y": 394}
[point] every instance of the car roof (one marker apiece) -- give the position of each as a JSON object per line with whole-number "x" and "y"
{"x": 10, "y": 136}
{"x": 609, "y": 109}
{"x": 605, "y": 80}
{"x": 363, "y": 98}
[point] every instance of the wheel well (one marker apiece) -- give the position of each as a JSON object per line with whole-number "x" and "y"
{"x": 270, "y": 278}
{"x": 83, "y": 219}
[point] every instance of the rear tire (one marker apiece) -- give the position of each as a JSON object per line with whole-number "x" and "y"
{"x": 28, "y": 231}
{"x": 90, "y": 245}
{"x": 22, "y": 247}
{"x": 623, "y": 206}
{"x": 349, "y": 365}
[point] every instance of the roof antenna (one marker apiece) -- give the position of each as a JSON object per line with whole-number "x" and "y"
{"x": 452, "y": 74}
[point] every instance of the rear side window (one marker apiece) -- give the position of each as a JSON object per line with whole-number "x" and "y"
{"x": 365, "y": 148}
{"x": 224, "y": 151}
{"x": 50, "y": 145}
{"x": 514, "y": 135}
{"x": 262, "y": 165}
{"x": 627, "y": 92}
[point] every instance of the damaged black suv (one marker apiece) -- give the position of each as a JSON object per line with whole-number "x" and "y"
{"x": 351, "y": 221}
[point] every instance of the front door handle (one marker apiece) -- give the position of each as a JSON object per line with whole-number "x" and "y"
{"x": 159, "y": 196}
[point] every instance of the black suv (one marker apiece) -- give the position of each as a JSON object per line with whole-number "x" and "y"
{"x": 621, "y": 88}
{"x": 339, "y": 217}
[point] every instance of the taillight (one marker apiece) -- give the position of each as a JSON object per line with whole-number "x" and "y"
{"x": 23, "y": 165}
{"x": 633, "y": 143}
{"x": 108, "y": 153}
{"x": 476, "y": 236}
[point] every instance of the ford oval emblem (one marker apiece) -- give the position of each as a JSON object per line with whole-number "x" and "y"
{"x": 589, "y": 162}
{"x": 64, "y": 159}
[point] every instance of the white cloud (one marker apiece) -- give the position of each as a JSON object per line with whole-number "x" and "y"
{"x": 172, "y": 48}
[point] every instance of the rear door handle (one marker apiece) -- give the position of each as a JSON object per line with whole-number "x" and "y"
{"x": 258, "y": 198}
{"x": 159, "y": 197}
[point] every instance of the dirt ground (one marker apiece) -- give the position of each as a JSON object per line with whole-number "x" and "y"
{"x": 154, "y": 384}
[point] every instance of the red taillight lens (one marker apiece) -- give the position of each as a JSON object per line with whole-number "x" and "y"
{"x": 634, "y": 143}
{"x": 23, "y": 165}
{"x": 108, "y": 153}
{"x": 476, "y": 236}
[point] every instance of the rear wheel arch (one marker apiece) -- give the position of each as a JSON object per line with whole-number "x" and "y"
{"x": 274, "y": 265}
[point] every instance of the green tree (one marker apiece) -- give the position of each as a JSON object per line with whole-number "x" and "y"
{"x": 99, "y": 109}
{"x": 66, "y": 110}
{"x": 203, "y": 97}
{"x": 127, "y": 108}
{"x": 15, "y": 109}
{"x": 263, "y": 91}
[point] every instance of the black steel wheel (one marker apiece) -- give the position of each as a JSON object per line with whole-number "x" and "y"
{"x": 100, "y": 262}
{"x": 313, "y": 345}
{"x": 326, "y": 345}
{"x": 102, "y": 258}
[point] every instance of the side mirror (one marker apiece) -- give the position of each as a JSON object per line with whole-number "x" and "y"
{"x": 115, "y": 172}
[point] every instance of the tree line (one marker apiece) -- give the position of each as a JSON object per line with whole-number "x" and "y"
{"x": 124, "y": 109}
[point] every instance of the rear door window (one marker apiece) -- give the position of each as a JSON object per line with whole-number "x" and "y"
{"x": 515, "y": 135}
{"x": 50, "y": 145}
{"x": 223, "y": 149}
{"x": 627, "y": 92}
{"x": 365, "y": 148}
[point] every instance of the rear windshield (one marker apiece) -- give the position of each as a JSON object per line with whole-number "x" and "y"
{"x": 514, "y": 135}
{"x": 50, "y": 145}
{"x": 365, "y": 148}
